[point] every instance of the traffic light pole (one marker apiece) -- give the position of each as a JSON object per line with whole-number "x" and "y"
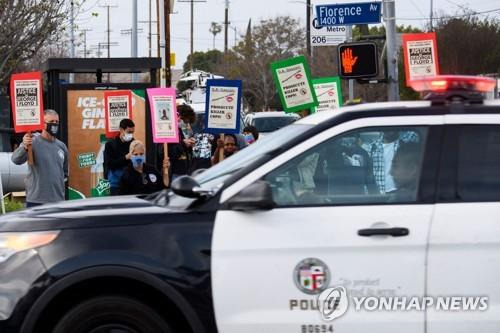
{"x": 350, "y": 81}
{"x": 389, "y": 10}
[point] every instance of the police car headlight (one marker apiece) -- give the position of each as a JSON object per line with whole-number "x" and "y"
{"x": 14, "y": 242}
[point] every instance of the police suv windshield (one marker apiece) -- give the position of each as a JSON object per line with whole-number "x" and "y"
{"x": 216, "y": 174}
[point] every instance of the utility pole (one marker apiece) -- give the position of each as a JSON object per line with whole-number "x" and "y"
{"x": 192, "y": 35}
{"x": 432, "y": 10}
{"x": 168, "y": 74}
{"x": 131, "y": 33}
{"x": 72, "y": 19}
{"x": 235, "y": 29}
{"x": 308, "y": 26}
{"x": 134, "y": 29}
{"x": 392, "y": 59}
{"x": 84, "y": 34}
{"x": 192, "y": 29}
{"x": 150, "y": 41}
{"x": 108, "y": 25}
{"x": 226, "y": 25}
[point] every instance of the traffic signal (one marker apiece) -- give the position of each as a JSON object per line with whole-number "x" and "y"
{"x": 358, "y": 60}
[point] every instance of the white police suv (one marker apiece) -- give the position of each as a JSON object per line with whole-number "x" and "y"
{"x": 382, "y": 218}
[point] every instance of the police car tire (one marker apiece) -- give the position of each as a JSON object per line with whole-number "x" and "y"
{"x": 108, "y": 310}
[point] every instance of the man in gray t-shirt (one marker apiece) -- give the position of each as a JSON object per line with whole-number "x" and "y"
{"x": 46, "y": 177}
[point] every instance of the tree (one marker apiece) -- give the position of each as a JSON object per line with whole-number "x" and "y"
{"x": 468, "y": 44}
{"x": 205, "y": 61}
{"x": 271, "y": 40}
{"x": 25, "y": 26}
{"x": 215, "y": 28}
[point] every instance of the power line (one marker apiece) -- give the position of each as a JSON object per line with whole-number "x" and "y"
{"x": 448, "y": 17}
{"x": 108, "y": 6}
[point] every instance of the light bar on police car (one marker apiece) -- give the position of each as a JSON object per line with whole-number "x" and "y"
{"x": 442, "y": 83}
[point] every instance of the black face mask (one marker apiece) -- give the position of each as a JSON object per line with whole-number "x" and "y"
{"x": 52, "y": 128}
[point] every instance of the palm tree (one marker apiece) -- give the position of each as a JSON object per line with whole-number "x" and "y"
{"x": 215, "y": 28}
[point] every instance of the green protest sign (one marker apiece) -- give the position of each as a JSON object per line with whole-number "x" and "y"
{"x": 293, "y": 81}
{"x": 102, "y": 188}
{"x": 329, "y": 93}
{"x": 86, "y": 159}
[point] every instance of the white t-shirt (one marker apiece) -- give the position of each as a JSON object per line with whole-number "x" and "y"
{"x": 388, "y": 157}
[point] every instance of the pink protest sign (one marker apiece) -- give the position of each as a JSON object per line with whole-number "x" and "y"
{"x": 164, "y": 120}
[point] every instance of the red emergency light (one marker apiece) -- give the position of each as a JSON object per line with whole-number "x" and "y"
{"x": 443, "y": 83}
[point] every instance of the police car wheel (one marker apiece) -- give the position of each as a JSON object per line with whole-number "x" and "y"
{"x": 112, "y": 314}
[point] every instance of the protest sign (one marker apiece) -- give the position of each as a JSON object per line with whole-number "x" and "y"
{"x": 117, "y": 106}
{"x": 163, "y": 115}
{"x": 420, "y": 56}
{"x": 329, "y": 93}
{"x": 223, "y": 106}
{"x": 293, "y": 81}
{"x": 27, "y": 101}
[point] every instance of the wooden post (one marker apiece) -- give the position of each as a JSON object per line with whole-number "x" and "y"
{"x": 30, "y": 152}
{"x": 221, "y": 151}
{"x": 166, "y": 178}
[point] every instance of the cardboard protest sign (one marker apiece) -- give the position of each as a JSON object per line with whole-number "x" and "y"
{"x": 420, "y": 56}
{"x": 27, "y": 101}
{"x": 117, "y": 106}
{"x": 164, "y": 120}
{"x": 328, "y": 92}
{"x": 223, "y": 106}
{"x": 293, "y": 81}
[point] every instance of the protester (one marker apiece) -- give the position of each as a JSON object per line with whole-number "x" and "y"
{"x": 382, "y": 153}
{"x": 404, "y": 170}
{"x": 117, "y": 156}
{"x": 140, "y": 177}
{"x": 229, "y": 146}
{"x": 46, "y": 177}
{"x": 179, "y": 154}
{"x": 251, "y": 134}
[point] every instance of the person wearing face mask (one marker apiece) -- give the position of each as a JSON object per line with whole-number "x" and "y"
{"x": 117, "y": 155}
{"x": 140, "y": 177}
{"x": 229, "y": 145}
{"x": 251, "y": 134}
{"x": 46, "y": 177}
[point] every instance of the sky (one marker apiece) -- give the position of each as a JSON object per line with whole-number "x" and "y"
{"x": 408, "y": 12}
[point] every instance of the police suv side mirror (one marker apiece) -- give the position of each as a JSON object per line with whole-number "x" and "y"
{"x": 187, "y": 186}
{"x": 184, "y": 186}
{"x": 257, "y": 196}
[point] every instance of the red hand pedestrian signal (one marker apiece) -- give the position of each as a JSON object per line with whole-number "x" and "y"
{"x": 358, "y": 60}
{"x": 348, "y": 60}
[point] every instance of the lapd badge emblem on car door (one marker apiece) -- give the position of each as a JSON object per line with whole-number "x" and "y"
{"x": 311, "y": 276}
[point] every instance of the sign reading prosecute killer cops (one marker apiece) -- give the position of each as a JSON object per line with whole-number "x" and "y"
{"x": 163, "y": 115}
{"x": 27, "y": 101}
{"x": 117, "y": 106}
{"x": 223, "y": 106}
{"x": 420, "y": 56}
{"x": 293, "y": 81}
{"x": 329, "y": 93}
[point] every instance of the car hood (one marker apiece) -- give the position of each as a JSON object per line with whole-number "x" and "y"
{"x": 96, "y": 212}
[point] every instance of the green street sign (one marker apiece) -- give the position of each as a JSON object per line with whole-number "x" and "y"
{"x": 86, "y": 159}
{"x": 329, "y": 93}
{"x": 293, "y": 81}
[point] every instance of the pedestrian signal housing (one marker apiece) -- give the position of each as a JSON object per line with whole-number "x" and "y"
{"x": 358, "y": 60}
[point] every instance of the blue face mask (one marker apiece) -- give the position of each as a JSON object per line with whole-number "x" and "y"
{"x": 138, "y": 160}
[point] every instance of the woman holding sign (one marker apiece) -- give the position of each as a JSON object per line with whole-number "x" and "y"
{"x": 140, "y": 177}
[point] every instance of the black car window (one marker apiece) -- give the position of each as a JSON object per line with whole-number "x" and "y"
{"x": 269, "y": 124}
{"x": 478, "y": 165}
{"x": 365, "y": 166}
